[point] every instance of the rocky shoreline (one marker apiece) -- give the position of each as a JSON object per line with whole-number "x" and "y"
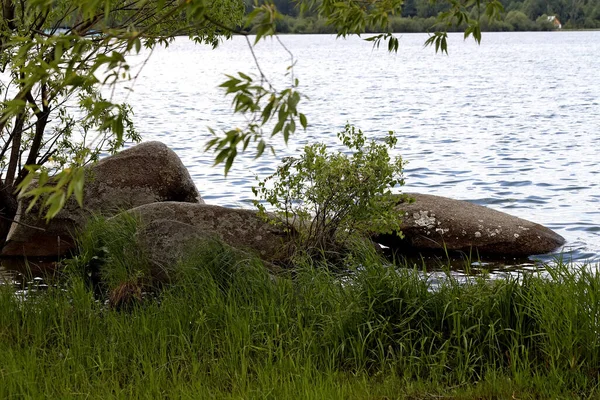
{"x": 150, "y": 181}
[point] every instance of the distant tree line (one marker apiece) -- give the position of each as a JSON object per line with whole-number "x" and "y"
{"x": 421, "y": 16}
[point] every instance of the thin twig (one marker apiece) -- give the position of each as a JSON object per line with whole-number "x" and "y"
{"x": 263, "y": 77}
{"x": 291, "y": 58}
{"x": 135, "y": 78}
{"x": 22, "y": 223}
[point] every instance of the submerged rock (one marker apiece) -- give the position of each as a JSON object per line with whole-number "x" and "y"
{"x": 438, "y": 223}
{"x": 147, "y": 173}
{"x": 241, "y": 229}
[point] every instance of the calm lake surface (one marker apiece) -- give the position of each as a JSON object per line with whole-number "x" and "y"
{"x": 512, "y": 124}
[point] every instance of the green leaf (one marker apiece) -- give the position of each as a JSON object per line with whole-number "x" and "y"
{"x": 268, "y": 110}
{"x": 244, "y": 76}
{"x": 78, "y": 183}
{"x": 230, "y": 159}
{"x": 260, "y": 148}
{"x": 223, "y": 154}
{"x": 56, "y": 202}
{"x": 303, "y": 121}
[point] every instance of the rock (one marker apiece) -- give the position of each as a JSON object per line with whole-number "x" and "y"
{"x": 147, "y": 173}
{"x": 241, "y": 229}
{"x": 166, "y": 242}
{"x": 435, "y": 223}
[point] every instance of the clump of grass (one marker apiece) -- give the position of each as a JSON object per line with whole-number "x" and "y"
{"x": 226, "y": 328}
{"x": 110, "y": 261}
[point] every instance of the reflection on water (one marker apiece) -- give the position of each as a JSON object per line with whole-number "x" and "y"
{"x": 24, "y": 286}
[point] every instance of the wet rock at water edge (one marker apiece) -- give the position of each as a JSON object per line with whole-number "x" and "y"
{"x": 436, "y": 223}
{"x": 147, "y": 173}
{"x": 242, "y": 229}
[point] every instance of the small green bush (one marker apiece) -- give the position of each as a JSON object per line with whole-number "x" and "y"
{"x": 333, "y": 198}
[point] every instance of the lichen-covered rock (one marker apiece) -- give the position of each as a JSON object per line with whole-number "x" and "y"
{"x": 147, "y": 173}
{"x": 242, "y": 229}
{"x": 437, "y": 223}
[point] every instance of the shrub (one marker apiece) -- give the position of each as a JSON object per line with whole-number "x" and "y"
{"x": 399, "y": 24}
{"x": 333, "y": 198}
{"x": 519, "y": 21}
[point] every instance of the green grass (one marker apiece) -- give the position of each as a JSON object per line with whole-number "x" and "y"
{"x": 225, "y": 328}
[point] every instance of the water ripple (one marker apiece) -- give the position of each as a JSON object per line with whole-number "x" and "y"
{"x": 507, "y": 124}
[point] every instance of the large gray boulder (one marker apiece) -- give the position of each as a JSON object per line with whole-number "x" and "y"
{"x": 147, "y": 173}
{"x": 241, "y": 229}
{"x": 438, "y": 223}
{"x": 167, "y": 242}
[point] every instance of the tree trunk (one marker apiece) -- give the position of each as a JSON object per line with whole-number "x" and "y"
{"x": 8, "y": 210}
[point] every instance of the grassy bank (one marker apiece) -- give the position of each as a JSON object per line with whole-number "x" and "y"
{"x": 225, "y": 328}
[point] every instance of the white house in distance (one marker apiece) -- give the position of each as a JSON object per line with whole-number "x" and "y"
{"x": 554, "y": 20}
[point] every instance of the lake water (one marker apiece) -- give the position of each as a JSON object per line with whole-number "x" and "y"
{"x": 512, "y": 124}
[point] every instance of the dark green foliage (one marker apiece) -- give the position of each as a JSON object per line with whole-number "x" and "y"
{"x": 414, "y": 15}
{"x": 519, "y": 21}
{"x": 417, "y": 24}
{"x": 421, "y": 16}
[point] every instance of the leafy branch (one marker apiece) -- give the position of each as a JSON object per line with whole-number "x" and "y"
{"x": 268, "y": 110}
{"x": 458, "y": 15}
{"x": 57, "y": 57}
